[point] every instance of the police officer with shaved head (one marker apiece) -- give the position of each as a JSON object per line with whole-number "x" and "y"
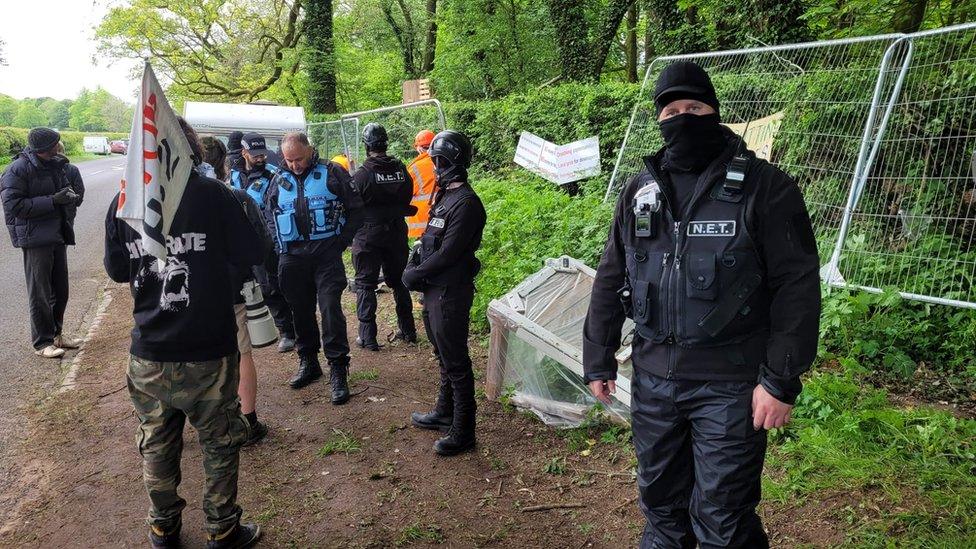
{"x": 317, "y": 211}
{"x": 386, "y": 189}
{"x": 712, "y": 255}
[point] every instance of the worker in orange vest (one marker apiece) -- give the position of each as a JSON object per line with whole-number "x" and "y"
{"x": 422, "y": 172}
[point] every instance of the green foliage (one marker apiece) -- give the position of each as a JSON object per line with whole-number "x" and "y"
{"x": 529, "y": 219}
{"x": 847, "y": 438}
{"x": 99, "y": 110}
{"x": 340, "y": 442}
{"x": 417, "y": 532}
{"x": 559, "y": 114}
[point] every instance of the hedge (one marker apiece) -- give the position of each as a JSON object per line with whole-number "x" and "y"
{"x": 12, "y": 140}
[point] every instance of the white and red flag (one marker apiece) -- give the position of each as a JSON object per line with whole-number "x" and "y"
{"x": 157, "y": 168}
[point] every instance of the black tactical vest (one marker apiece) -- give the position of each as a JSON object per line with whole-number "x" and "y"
{"x": 699, "y": 282}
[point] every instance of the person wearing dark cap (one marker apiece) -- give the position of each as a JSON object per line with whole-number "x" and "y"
{"x": 235, "y": 161}
{"x": 39, "y": 202}
{"x": 712, "y": 254}
{"x": 385, "y": 185}
{"x": 255, "y": 177}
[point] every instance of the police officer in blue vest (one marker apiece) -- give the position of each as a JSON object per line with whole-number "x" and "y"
{"x": 386, "y": 188}
{"x": 254, "y": 178}
{"x": 317, "y": 212}
{"x": 713, "y": 256}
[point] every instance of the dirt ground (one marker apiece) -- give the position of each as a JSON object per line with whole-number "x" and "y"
{"x": 80, "y": 477}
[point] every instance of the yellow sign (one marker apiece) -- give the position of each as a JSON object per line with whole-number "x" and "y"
{"x": 759, "y": 134}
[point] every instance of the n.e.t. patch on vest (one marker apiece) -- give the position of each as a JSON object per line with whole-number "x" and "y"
{"x": 711, "y": 228}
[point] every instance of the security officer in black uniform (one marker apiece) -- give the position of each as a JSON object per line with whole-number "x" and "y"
{"x": 386, "y": 189}
{"x": 317, "y": 212}
{"x": 443, "y": 267}
{"x": 712, "y": 254}
{"x": 255, "y": 179}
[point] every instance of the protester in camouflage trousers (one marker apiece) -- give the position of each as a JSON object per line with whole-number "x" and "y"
{"x": 184, "y": 361}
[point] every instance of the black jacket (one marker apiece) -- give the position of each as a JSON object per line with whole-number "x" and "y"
{"x": 385, "y": 185}
{"x": 184, "y": 310}
{"x": 449, "y": 244}
{"x": 775, "y": 343}
{"x": 28, "y": 185}
{"x": 242, "y": 273}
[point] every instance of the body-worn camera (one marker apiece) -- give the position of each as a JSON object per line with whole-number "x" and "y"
{"x": 647, "y": 204}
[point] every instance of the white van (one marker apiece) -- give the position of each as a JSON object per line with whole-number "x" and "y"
{"x": 268, "y": 119}
{"x": 97, "y": 144}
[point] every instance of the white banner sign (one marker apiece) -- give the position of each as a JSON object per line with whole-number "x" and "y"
{"x": 157, "y": 167}
{"x": 560, "y": 164}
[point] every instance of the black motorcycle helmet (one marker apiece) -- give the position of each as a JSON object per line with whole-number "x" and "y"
{"x": 451, "y": 152}
{"x": 375, "y": 137}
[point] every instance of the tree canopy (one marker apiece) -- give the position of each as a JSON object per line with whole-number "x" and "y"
{"x": 343, "y": 55}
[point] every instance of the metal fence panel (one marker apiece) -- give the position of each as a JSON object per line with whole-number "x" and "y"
{"x": 912, "y": 220}
{"x": 402, "y": 123}
{"x": 327, "y": 137}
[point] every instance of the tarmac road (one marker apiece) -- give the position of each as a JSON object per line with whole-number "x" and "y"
{"x": 24, "y": 377}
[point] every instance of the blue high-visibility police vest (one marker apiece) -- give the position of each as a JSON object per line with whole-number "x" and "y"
{"x": 257, "y": 189}
{"x": 326, "y": 216}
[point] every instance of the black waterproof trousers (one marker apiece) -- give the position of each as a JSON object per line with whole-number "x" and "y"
{"x": 305, "y": 281}
{"x": 447, "y": 319}
{"x": 699, "y": 462}
{"x": 381, "y": 246}
{"x": 267, "y": 277}
{"x": 46, "y": 270}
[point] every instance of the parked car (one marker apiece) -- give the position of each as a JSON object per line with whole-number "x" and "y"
{"x": 97, "y": 144}
{"x": 119, "y": 147}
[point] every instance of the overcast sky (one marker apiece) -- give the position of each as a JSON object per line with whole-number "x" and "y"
{"x": 51, "y": 51}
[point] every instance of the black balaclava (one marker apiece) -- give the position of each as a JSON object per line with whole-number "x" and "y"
{"x": 447, "y": 172}
{"x": 691, "y": 141}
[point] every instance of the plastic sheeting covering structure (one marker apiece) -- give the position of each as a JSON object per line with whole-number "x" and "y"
{"x": 536, "y": 348}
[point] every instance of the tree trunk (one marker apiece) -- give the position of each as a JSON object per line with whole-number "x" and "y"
{"x": 614, "y": 14}
{"x": 648, "y": 33}
{"x": 404, "y": 36}
{"x": 572, "y": 41}
{"x": 909, "y": 15}
{"x": 319, "y": 56}
{"x": 632, "y": 43}
{"x": 430, "y": 47}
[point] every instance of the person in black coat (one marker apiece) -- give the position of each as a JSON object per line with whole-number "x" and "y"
{"x": 40, "y": 198}
{"x": 712, "y": 254}
{"x": 443, "y": 267}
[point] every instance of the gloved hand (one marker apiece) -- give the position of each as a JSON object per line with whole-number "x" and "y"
{"x": 415, "y": 253}
{"x": 413, "y": 282}
{"x": 64, "y": 196}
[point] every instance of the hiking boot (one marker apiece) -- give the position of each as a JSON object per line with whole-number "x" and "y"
{"x": 165, "y": 540}
{"x": 455, "y": 442}
{"x": 406, "y": 338}
{"x": 238, "y": 537}
{"x": 286, "y": 344}
{"x": 308, "y": 371}
{"x": 338, "y": 374}
{"x": 67, "y": 342}
{"x": 432, "y": 421}
{"x": 369, "y": 345}
{"x": 50, "y": 352}
{"x": 442, "y": 416}
{"x": 258, "y": 432}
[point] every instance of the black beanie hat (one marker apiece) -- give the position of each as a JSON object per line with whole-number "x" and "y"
{"x": 43, "y": 139}
{"x": 684, "y": 80}
{"x": 234, "y": 141}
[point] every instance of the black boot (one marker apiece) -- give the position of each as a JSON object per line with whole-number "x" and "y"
{"x": 405, "y": 337}
{"x": 368, "y": 344}
{"x": 308, "y": 371}
{"x": 165, "y": 540}
{"x": 461, "y": 436}
{"x": 442, "y": 416}
{"x": 340, "y": 387}
{"x": 240, "y": 537}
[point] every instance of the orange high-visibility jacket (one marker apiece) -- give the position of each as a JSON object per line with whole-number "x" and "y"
{"x": 422, "y": 172}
